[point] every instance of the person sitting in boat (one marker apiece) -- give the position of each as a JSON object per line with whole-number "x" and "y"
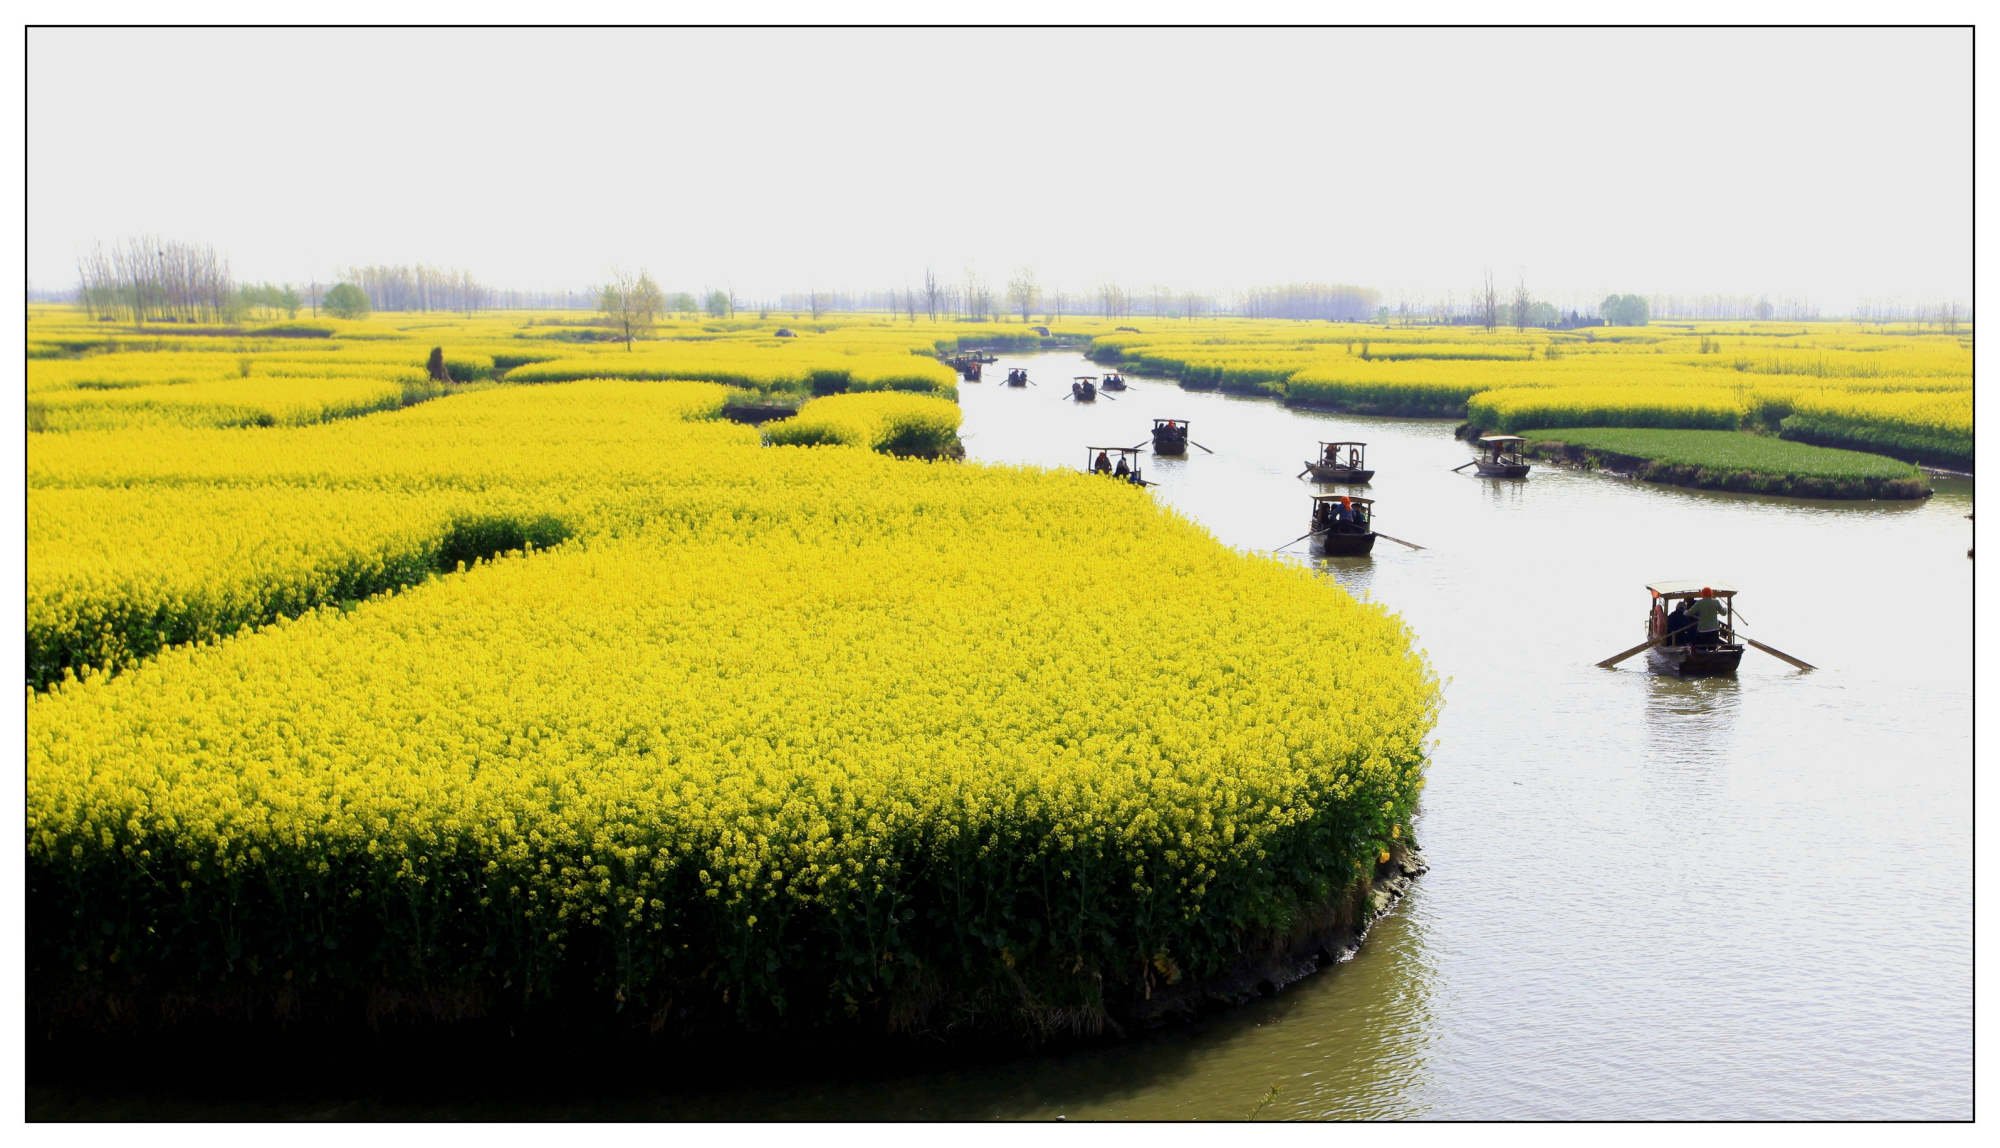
{"x": 1332, "y": 455}
{"x": 1678, "y": 624}
{"x": 1707, "y": 614}
{"x": 1103, "y": 463}
{"x": 1124, "y": 469}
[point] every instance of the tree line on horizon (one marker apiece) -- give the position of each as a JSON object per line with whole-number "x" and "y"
{"x": 147, "y": 278}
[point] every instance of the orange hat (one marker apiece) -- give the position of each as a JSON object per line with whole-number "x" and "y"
{"x": 1344, "y": 504}
{"x": 1707, "y": 593}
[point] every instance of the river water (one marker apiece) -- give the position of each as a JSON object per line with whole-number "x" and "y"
{"x": 1648, "y": 897}
{"x": 1745, "y": 897}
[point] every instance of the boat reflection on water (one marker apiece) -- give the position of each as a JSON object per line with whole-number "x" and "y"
{"x": 1692, "y": 717}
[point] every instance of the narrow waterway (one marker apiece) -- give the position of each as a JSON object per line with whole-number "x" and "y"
{"x": 1649, "y": 897}
{"x": 1746, "y": 897}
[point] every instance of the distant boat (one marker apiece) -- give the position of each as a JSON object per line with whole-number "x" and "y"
{"x": 1113, "y": 382}
{"x": 1084, "y": 389}
{"x": 1502, "y": 456}
{"x": 1341, "y": 462}
{"x": 1097, "y": 460}
{"x": 1170, "y": 436}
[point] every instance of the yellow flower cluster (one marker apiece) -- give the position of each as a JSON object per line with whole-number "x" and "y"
{"x": 218, "y": 403}
{"x": 1528, "y": 408}
{"x": 1696, "y": 375}
{"x": 806, "y": 731}
{"x": 892, "y": 423}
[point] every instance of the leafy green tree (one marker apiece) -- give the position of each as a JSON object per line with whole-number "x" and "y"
{"x": 290, "y": 301}
{"x": 1624, "y": 310}
{"x": 631, "y": 304}
{"x": 718, "y": 305}
{"x": 345, "y": 301}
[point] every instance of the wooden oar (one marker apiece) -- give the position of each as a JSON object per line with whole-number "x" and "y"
{"x": 1779, "y": 654}
{"x": 1393, "y": 538}
{"x": 1475, "y": 462}
{"x": 1135, "y": 446}
{"x": 1617, "y": 658}
{"x": 1303, "y": 473}
{"x": 1300, "y": 538}
{"x": 1202, "y": 447}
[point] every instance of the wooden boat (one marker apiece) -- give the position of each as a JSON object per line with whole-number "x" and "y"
{"x": 1113, "y": 382}
{"x": 1680, "y": 650}
{"x": 1097, "y": 460}
{"x": 1170, "y": 436}
{"x": 1084, "y": 389}
{"x": 1677, "y": 645}
{"x": 1343, "y": 525}
{"x": 1017, "y": 376}
{"x": 1501, "y": 456}
{"x": 1341, "y": 462}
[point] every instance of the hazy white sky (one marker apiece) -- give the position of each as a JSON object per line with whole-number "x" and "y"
{"x": 1830, "y": 164}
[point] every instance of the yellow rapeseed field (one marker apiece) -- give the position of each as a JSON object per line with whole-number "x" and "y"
{"x": 726, "y": 730}
{"x": 1840, "y": 384}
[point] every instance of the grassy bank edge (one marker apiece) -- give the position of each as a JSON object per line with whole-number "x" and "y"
{"x": 1738, "y": 480}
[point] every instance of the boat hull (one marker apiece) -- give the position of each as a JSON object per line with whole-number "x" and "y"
{"x": 1695, "y": 661}
{"x": 1343, "y": 545}
{"x": 1503, "y": 470}
{"x": 1345, "y": 474}
{"x": 1169, "y": 444}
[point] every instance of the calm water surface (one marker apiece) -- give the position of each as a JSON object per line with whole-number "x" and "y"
{"x": 1648, "y": 897}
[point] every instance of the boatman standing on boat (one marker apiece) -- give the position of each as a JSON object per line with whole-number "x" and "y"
{"x": 1707, "y": 613}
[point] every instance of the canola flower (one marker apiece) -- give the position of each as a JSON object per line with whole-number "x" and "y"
{"x": 725, "y": 729}
{"x": 220, "y": 403}
{"x": 892, "y": 423}
{"x": 1830, "y": 383}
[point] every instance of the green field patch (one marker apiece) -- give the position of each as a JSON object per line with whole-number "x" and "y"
{"x": 1732, "y": 460}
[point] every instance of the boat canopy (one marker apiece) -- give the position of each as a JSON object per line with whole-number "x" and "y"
{"x": 1501, "y": 438}
{"x": 1157, "y": 423}
{"x": 1086, "y": 378}
{"x": 1343, "y": 444}
{"x": 1688, "y": 588}
{"x": 1371, "y": 502}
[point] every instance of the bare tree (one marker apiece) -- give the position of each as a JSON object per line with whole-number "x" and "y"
{"x": 910, "y": 303}
{"x": 1060, "y": 299}
{"x": 1521, "y": 304}
{"x": 1489, "y": 303}
{"x": 1023, "y": 292}
{"x": 813, "y": 297}
{"x": 1111, "y": 299}
{"x": 631, "y": 305}
{"x": 978, "y": 297}
{"x": 933, "y": 293}
{"x": 151, "y": 278}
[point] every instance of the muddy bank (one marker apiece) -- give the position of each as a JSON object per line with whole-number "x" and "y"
{"x": 1328, "y": 936}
